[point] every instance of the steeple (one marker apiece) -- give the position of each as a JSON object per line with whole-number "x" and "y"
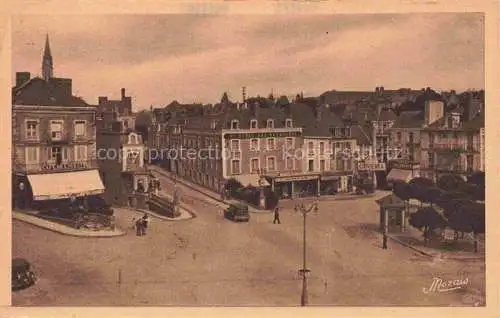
{"x": 47, "y": 67}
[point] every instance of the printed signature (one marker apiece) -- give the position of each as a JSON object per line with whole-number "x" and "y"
{"x": 439, "y": 285}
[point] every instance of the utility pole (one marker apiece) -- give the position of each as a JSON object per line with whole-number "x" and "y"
{"x": 301, "y": 208}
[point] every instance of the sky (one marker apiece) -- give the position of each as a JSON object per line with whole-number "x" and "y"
{"x": 196, "y": 58}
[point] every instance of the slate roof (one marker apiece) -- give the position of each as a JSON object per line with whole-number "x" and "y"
{"x": 410, "y": 119}
{"x": 475, "y": 123}
{"x": 39, "y": 92}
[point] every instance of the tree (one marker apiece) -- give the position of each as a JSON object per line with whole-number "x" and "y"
{"x": 432, "y": 195}
{"x": 450, "y": 182}
{"x": 423, "y": 182}
{"x": 473, "y": 191}
{"x": 403, "y": 191}
{"x": 233, "y": 186}
{"x": 427, "y": 219}
{"x": 469, "y": 218}
{"x": 477, "y": 178}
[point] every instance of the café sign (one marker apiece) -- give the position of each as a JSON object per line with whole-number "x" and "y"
{"x": 380, "y": 166}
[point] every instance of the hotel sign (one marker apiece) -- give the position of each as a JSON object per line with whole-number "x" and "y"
{"x": 380, "y": 166}
{"x": 258, "y": 135}
{"x": 296, "y": 178}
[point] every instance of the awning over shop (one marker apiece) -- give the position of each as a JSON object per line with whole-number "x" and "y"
{"x": 399, "y": 175}
{"x": 64, "y": 185}
{"x": 253, "y": 180}
{"x": 329, "y": 178}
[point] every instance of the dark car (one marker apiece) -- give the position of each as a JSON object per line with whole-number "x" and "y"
{"x": 237, "y": 213}
{"x": 22, "y": 275}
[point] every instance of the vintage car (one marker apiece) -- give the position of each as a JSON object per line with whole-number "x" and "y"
{"x": 237, "y": 213}
{"x": 22, "y": 275}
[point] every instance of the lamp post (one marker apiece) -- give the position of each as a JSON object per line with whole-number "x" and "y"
{"x": 304, "y": 210}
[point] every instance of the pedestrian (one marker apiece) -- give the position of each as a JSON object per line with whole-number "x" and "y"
{"x": 138, "y": 227}
{"x": 145, "y": 223}
{"x": 276, "y": 216}
{"x": 384, "y": 241}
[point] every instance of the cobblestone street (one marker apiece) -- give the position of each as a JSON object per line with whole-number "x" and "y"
{"x": 211, "y": 261}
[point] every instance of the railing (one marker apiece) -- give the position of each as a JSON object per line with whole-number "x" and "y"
{"x": 448, "y": 146}
{"x": 53, "y": 167}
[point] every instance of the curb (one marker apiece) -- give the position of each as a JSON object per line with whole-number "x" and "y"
{"x": 87, "y": 234}
{"x": 410, "y": 246}
{"x": 162, "y": 217}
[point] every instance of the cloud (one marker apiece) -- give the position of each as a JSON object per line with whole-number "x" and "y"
{"x": 159, "y": 58}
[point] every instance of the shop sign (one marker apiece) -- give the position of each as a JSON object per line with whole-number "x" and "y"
{"x": 297, "y": 178}
{"x": 371, "y": 166}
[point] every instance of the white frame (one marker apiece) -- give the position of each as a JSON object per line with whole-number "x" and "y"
{"x": 37, "y": 130}
{"x": 231, "y": 144}
{"x": 310, "y": 150}
{"x": 258, "y": 164}
{"x": 37, "y": 155}
{"x": 324, "y": 166}
{"x": 76, "y": 153}
{"x": 267, "y": 163}
{"x": 53, "y": 121}
{"x": 130, "y": 138}
{"x": 256, "y": 124}
{"x": 84, "y": 128}
{"x": 307, "y": 168}
{"x": 293, "y": 142}
{"x": 272, "y": 123}
{"x": 258, "y": 144}
{"x": 237, "y": 124}
{"x": 319, "y": 148}
{"x": 288, "y": 123}
{"x": 274, "y": 143}
{"x": 287, "y": 159}
{"x": 232, "y": 172}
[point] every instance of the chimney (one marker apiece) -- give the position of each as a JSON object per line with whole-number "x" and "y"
{"x": 244, "y": 94}
{"x": 123, "y": 93}
{"x": 434, "y": 110}
{"x": 22, "y": 77}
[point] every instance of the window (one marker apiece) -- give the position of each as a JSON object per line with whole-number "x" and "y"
{"x": 410, "y": 137}
{"x": 253, "y": 123}
{"x": 235, "y": 145}
{"x": 235, "y": 124}
{"x": 270, "y": 123}
{"x": 347, "y": 132}
{"x": 398, "y": 137}
{"x": 271, "y": 163}
{"x": 289, "y": 163}
{"x": 80, "y": 128}
{"x": 321, "y": 148}
{"x": 289, "y": 143}
{"x": 56, "y": 128}
{"x": 336, "y": 132}
{"x": 32, "y": 155}
{"x": 213, "y": 124}
{"x": 339, "y": 164}
{"x": 288, "y": 123}
{"x": 133, "y": 157}
{"x": 254, "y": 145}
{"x": 65, "y": 154}
{"x": 55, "y": 154}
{"x": 133, "y": 139}
{"x": 31, "y": 130}
{"x": 322, "y": 165}
{"x": 235, "y": 167}
{"x": 80, "y": 153}
{"x": 310, "y": 148}
{"x": 310, "y": 165}
{"x": 270, "y": 144}
{"x": 348, "y": 165}
{"x": 254, "y": 165}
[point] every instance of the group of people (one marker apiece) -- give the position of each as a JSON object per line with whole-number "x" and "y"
{"x": 141, "y": 225}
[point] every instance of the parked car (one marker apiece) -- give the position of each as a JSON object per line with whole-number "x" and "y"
{"x": 237, "y": 213}
{"x": 22, "y": 275}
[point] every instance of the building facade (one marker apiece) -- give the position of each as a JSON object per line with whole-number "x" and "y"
{"x": 53, "y": 141}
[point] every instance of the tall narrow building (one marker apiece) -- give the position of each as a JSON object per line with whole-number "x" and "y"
{"x": 47, "y": 66}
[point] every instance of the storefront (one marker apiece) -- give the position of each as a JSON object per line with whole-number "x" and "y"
{"x": 41, "y": 189}
{"x": 296, "y": 185}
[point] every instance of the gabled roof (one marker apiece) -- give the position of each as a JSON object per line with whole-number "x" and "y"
{"x": 37, "y": 91}
{"x": 410, "y": 119}
{"x": 391, "y": 200}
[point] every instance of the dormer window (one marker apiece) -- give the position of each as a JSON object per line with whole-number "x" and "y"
{"x": 253, "y": 124}
{"x": 288, "y": 123}
{"x": 213, "y": 125}
{"x": 270, "y": 123}
{"x": 235, "y": 124}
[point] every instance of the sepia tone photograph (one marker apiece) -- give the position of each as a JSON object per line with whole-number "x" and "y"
{"x": 248, "y": 160}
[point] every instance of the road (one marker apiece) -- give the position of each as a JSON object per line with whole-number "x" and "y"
{"x": 214, "y": 262}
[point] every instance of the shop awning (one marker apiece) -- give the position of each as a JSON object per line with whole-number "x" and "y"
{"x": 253, "y": 180}
{"x": 64, "y": 185}
{"x": 399, "y": 175}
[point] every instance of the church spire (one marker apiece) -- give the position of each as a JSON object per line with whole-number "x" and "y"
{"x": 47, "y": 67}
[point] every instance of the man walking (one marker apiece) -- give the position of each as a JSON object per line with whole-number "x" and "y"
{"x": 145, "y": 223}
{"x": 384, "y": 241}
{"x": 276, "y": 216}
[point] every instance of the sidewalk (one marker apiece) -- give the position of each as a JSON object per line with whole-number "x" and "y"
{"x": 211, "y": 195}
{"x": 185, "y": 214}
{"x": 62, "y": 229}
{"x": 461, "y": 250}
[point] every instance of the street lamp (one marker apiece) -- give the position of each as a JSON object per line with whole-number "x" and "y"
{"x": 304, "y": 210}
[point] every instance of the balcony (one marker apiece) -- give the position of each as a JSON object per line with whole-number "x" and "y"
{"x": 47, "y": 167}
{"x": 448, "y": 146}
